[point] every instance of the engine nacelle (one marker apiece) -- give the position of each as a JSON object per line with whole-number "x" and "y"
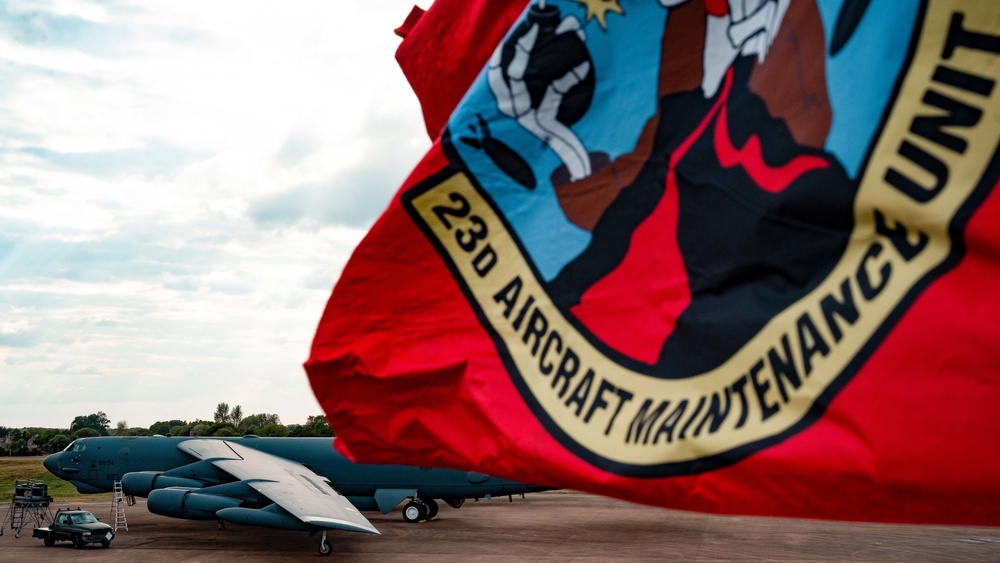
{"x": 271, "y": 517}
{"x": 141, "y": 483}
{"x": 185, "y": 503}
{"x": 366, "y": 503}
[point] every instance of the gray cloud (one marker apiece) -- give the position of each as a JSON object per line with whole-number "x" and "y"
{"x": 348, "y": 201}
{"x": 73, "y": 369}
{"x": 220, "y": 282}
{"x": 299, "y": 145}
{"x": 21, "y": 339}
{"x": 41, "y": 29}
{"x": 155, "y": 159}
{"x": 353, "y": 198}
{"x": 130, "y": 253}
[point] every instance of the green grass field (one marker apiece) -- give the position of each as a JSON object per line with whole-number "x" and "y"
{"x": 15, "y": 468}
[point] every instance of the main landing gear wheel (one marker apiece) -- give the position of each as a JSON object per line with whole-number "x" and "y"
{"x": 415, "y": 511}
{"x": 325, "y": 548}
{"x": 432, "y": 508}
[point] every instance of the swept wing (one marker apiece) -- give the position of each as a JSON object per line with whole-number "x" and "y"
{"x": 291, "y": 485}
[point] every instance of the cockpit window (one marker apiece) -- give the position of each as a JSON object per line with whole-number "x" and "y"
{"x": 76, "y": 446}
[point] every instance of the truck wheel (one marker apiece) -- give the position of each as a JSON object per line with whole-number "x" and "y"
{"x": 77, "y": 541}
{"x": 49, "y": 542}
{"x": 105, "y": 543}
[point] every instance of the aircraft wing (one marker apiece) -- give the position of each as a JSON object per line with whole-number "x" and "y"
{"x": 291, "y": 485}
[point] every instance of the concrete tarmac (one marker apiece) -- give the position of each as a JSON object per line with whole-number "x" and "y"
{"x": 555, "y": 526}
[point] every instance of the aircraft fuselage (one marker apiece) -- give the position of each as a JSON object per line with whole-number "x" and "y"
{"x": 94, "y": 464}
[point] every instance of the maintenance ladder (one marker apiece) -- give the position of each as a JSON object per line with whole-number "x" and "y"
{"x": 117, "y": 508}
{"x": 30, "y": 504}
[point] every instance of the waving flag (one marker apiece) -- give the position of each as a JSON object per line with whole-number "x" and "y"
{"x": 737, "y": 257}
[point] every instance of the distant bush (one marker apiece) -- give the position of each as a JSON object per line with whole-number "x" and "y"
{"x": 274, "y": 430}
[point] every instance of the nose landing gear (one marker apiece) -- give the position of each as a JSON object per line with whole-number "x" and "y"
{"x": 325, "y": 548}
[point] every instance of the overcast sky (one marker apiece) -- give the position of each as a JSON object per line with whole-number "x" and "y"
{"x": 181, "y": 183}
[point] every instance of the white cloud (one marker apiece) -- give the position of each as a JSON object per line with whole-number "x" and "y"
{"x": 182, "y": 183}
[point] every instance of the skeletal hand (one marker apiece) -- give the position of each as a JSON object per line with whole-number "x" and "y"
{"x": 749, "y": 28}
{"x": 514, "y": 100}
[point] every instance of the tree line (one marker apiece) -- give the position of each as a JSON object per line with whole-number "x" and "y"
{"x": 226, "y": 422}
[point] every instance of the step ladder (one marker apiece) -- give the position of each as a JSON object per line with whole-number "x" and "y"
{"x": 14, "y": 518}
{"x": 118, "y": 508}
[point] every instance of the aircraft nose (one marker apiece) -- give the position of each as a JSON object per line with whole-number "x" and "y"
{"x": 51, "y": 462}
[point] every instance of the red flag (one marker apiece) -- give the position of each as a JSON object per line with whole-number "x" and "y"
{"x": 444, "y": 51}
{"x": 693, "y": 255}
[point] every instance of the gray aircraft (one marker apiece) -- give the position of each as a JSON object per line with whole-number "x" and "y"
{"x": 287, "y": 483}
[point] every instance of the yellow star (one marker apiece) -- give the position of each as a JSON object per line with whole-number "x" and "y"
{"x": 599, "y": 8}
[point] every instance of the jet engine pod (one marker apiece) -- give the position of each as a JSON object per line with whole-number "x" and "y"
{"x": 141, "y": 483}
{"x": 268, "y": 517}
{"x": 185, "y": 503}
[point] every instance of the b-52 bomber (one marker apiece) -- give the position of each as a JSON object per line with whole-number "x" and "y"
{"x": 286, "y": 483}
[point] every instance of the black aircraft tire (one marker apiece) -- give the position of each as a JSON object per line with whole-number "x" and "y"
{"x": 432, "y": 508}
{"x": 415, "y": 512}
{"x": 325, "y": 548}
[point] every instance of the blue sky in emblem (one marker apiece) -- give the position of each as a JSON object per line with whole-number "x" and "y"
{"x": 611, "y": 125}
{"x": 861, "y": 77}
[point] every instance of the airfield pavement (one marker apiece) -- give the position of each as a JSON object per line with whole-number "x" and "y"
{"x": 551, "y": 526}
